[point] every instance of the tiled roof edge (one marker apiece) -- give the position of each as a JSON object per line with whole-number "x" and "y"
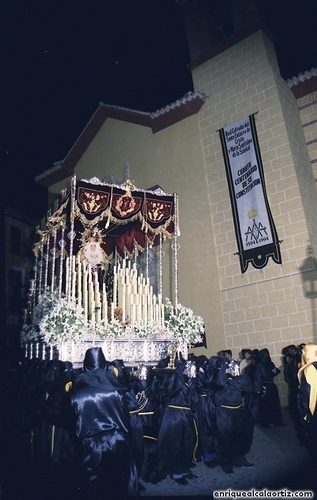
{"x": 187, "y": 98}
{"x": 301, "y": 77}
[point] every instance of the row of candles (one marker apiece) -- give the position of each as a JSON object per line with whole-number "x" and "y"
{"x": 133, "y": 299}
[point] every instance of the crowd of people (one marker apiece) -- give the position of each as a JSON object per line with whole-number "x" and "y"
{"x": 106, "y": 426}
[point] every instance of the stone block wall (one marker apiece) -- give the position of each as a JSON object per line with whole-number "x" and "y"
{"x": 269, "y": 307}
{"x": 307, "y": 106}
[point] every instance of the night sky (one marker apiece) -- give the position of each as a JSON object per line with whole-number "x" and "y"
{"x": 59, "y": 59}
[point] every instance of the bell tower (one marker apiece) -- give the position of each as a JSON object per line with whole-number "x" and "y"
{"x": 220, "y": 23}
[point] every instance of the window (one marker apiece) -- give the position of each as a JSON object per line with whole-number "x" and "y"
{"x": 15, "y": 240}
{"x": 15, "y": 291}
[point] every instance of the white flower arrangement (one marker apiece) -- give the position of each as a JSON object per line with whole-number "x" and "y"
{"x": 183, "y": 323}
{"x": 29, "y": 333}
{"x": 57, "y": 320}
{"x": 148, "y": 331}
{"x": 111, "y": 330}
{"x": 117, "y": 330}
{"x": 46, "y": 302}
{"x": 64, "y": 322}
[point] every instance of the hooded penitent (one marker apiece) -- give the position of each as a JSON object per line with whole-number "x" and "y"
{"x": 309, "y": 356}
{"x": 94, "y": 359}
{"x": 101, "y": 425}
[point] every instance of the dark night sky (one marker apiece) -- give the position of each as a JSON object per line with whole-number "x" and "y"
{"x": 60, "y": 58}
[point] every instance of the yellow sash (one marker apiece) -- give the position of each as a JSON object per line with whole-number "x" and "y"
{"x": 311, "y": 377}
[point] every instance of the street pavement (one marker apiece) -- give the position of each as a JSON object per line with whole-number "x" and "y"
{"x": 280, "y": 463}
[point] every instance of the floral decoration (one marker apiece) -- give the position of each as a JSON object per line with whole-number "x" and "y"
{"x": 64, "y": 322}
{"x": 46, "y": 301}
{"x": 57, "y": 320}
{"x": 124, "y": 331}
{"x": 29, "y": 333}
{"x": 183, "y": 323}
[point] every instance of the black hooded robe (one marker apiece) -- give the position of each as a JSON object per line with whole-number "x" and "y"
{"x": 234, "y": 421}
{"x": 177, "y": 437}
{"x": 101, "y": 423}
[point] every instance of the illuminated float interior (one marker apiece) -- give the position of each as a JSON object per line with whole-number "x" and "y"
{"x": 98, "y": 276}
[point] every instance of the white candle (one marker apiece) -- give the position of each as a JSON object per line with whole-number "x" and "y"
{"x": 93, "y": 316}
{"x": 67, "y": 274}
{"x": 90, "y": 297}
{"x": 145, "y": 306}
{"x": 85, "y": 301}
{"x": 119, "y": 292}
{"x": 162, "y": 315}
{"x": 139, "y": 312}
{"x": 98, "y": 315}
{"x": 79, "y": 299}
{"x": 123, "y": 302}
{"x": 115, "y": 280}
{"x": 79, "y": 277}
{"x": 73, "y": 285}
{"x": 104, "y": 307}
{"x": 133, "y": 307}
{"x": 157, "y": 313}
{"x": 128, "y": 300}
{"x": 97, "y": 291}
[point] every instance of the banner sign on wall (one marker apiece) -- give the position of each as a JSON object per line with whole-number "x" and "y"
{"x": 254, "y": 226}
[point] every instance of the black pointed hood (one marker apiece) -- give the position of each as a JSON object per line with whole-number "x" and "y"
{"x": 94, "y": 359}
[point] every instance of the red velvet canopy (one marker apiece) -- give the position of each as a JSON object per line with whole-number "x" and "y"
{"x": 114, "y": 216}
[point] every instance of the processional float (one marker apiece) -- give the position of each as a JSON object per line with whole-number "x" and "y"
{"x": 98, "y": 276}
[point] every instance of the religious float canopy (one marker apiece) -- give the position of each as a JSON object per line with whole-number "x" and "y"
{"x": 90, "y": 284}
{"x": 115, "y": 218}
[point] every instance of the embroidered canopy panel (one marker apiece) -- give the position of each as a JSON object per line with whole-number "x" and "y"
{"x": 111, "y": 217}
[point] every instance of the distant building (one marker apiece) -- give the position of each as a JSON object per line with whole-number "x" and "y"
{"x": 19, "y": 260}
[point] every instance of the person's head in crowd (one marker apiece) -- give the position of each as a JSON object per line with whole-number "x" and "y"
{"x": 221, "y": 354}
{"x": 246, "y": 353}
{"x": 228, "y": 355}
{"x": 289, "y": 358}
{"x": 94, "y": 359}
{"x": 289, "y": 349}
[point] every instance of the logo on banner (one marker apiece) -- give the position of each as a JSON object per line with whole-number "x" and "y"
{"x": 257, "y": 233}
